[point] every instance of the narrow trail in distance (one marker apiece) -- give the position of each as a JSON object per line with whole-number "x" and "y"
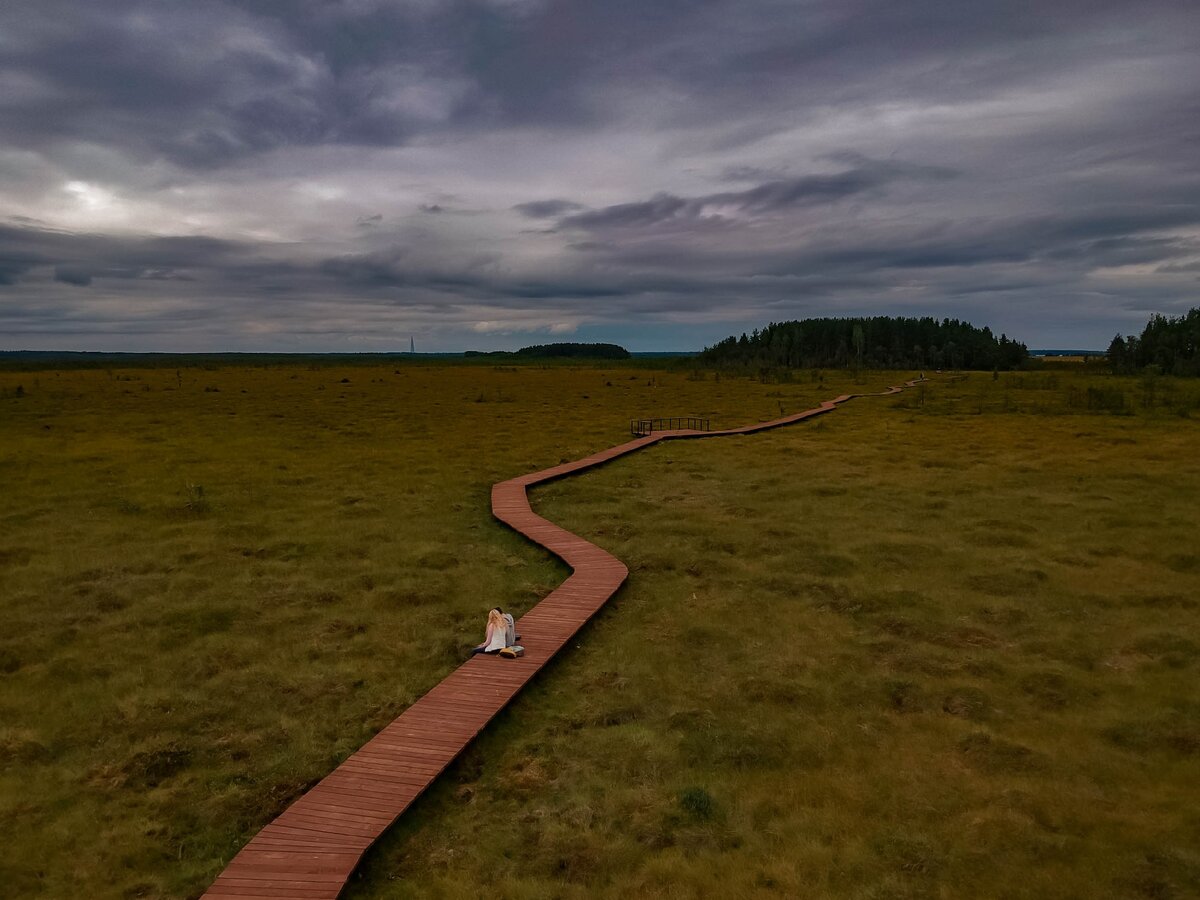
{"x": 310, "y": 851}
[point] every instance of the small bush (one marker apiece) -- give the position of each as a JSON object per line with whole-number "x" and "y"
{"x": 903, "y": 696}
{"x": 20, "y": 746}
{"x": 967, "y": 703}
{"x": 697, "y": 803}
{"x": 9, "y": 661}
{"x": 151, "y": 767}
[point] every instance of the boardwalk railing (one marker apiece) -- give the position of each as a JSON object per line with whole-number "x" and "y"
{"x": 644, "y": 427}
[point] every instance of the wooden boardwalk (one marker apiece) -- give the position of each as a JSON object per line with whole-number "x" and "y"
{"x": 310, "y": 851}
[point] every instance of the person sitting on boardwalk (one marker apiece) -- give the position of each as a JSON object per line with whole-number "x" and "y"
{"x": 510, "y": 628}
{"x": 501, "y": 632}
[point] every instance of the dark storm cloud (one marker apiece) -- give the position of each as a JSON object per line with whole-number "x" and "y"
{"x": 750, "y": 173}
{"x": 12, "y": 268}
{"x": 365, "y": 270}
{"x": 977, "y": 158}
{"x": 1181, "y": 267}
{"x": 625, "y": 215}
{"x": 79, "y": 258}
{"x": 841, "y": 52}
{"x": 698, "y": 279}
{"x": 72, "y": 275}
{"x": 770, "y": 197}
{"x": 205, "y": 82}
{"x": 82, "y": 260}
{"x": 187, "y": 83}
{"x": 546, "y": 209}
{"x": 1032, "y": 268}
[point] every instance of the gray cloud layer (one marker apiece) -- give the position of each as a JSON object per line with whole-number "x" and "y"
{"x": 330, "y": 175}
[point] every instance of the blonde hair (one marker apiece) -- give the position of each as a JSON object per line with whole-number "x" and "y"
{"x": 496, "y": 618}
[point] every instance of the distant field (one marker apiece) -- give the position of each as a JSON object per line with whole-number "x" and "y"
{"x": 936, "y": 645}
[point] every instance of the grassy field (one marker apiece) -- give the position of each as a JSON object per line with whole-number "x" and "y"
{"x": 940, "y": 645}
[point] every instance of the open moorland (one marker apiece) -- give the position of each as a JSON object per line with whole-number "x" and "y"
{"x": 940, "y": 644}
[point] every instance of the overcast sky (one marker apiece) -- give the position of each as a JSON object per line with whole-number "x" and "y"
{"x": 342, "y": 174}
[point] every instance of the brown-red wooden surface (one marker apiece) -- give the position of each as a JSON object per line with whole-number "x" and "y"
{"x": 312, "y": 848}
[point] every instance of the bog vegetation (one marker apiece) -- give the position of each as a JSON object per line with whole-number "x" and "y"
{"x": 935, "y": 644}
{"x": 878, "y": 342}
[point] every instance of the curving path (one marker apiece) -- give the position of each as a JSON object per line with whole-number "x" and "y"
{"x": 312, "y": 848}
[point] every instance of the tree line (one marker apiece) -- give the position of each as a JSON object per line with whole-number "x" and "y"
{"x": 1170, "y": 344}
{"x": 564, "y": 350}
{"x": 877, "y": 342}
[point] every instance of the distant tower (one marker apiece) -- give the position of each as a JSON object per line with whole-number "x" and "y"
{"x": 412, "y": 345}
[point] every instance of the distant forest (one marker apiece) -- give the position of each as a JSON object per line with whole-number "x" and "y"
{"x": 879, "y": 342}
{"x": 1169, "y": 344}
{"x": 562, "y": 351}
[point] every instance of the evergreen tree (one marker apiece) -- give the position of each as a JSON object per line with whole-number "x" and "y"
{"x": 875, "y": 342}
{"x": 1118, "y": 355}
{"x": 1172, "y": 344}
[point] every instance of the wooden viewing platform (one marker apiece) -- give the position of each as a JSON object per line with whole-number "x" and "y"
{"x": 312, "y": 848}
{"x": 645, "y": 427}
